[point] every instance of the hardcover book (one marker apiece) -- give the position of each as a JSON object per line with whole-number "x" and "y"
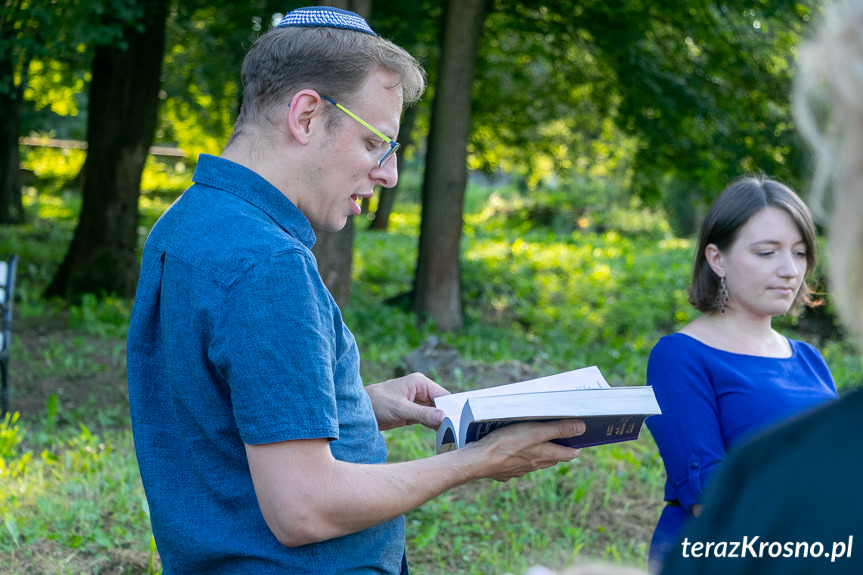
{"x": 612, "y": 414}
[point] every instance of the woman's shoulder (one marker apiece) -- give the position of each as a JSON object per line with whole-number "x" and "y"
{"x": 694, "y": 334}
{"x": 674, "y": 344}
{"x": 679, "y": 362}
{"x": 806, "y": 351}
{"x": 803, "y": 346}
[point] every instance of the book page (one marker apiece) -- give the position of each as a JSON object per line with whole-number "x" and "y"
{"x": 584, "y": 378}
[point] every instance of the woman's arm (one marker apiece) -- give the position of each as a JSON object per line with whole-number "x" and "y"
{"x": 688, "y": 433}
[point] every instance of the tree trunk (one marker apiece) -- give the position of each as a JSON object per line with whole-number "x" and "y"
{"x": 335, "y": 254}
{"x": 335, "y": 250}
{"x": 11, "y": 205}
{"x": 388, "y": 195}
{"x": 437, "y": 287}
{"x": 124, "y": 99}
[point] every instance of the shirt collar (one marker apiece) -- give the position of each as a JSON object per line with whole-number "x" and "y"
{"x": 233, "y": 178}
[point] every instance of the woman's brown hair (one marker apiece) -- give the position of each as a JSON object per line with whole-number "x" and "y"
{"x": 740, "y": 201}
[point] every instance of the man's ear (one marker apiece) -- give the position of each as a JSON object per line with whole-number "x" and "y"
{"x": 305, "y": 113}
{"x": 715, "y": 259}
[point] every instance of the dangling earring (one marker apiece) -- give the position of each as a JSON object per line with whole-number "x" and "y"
{"x": 722, "y": 296}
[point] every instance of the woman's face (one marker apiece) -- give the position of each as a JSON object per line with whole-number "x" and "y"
{"x": 764, "y": 267}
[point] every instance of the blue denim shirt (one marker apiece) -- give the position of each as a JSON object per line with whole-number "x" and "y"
{"x": 235, "y": 339}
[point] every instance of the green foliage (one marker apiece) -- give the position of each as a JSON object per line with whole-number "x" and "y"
{"x": 106, "y": 316}
{"x": 46, "y": 46}
{"x": 53, "y": 86}
{"x": 201, "y": 85}
{"x": 575, "y": 205}
{"x": 52, "y": 167}
{"x": 76, "y": 489}
{"x": 670, "y": 99}
{"x": 705, "y": 87}
{"x": 551, "y": 293}
{"x": 544, "y": 103}
{"x": 582, "y": 298}
{"x": 845, "y": 364}
{"x": 166, "y": 178}
{"x": 10, "y": 438}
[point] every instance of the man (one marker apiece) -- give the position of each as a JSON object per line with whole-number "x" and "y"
{"x": 258, "y": 444}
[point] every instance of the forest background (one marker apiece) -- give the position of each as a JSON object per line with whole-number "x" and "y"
{"x": 550, "y": 184}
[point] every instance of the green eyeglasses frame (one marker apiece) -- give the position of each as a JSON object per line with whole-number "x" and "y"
{"x": 394, "y": 146}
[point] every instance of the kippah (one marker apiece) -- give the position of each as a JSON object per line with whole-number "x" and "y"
{"x": 327, "y": 17}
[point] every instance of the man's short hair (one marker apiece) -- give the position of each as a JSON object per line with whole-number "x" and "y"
{"x": 333, "y": 62}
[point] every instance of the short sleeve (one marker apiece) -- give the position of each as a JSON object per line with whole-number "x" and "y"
{"x": 688, "y": 432}
{"x": 275, "y": 348}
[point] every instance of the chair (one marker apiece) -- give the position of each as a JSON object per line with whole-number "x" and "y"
{"x": 7, "y": 292}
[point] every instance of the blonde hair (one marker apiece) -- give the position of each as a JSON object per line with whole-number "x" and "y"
{"x": 828, "y": 108}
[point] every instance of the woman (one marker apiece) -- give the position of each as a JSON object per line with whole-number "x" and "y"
{"x": 728, "y": 373}
{"x": 797, "y": 486}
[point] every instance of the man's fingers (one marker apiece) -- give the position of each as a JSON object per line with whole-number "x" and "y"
{"x": 571, "y": 428}
{"x": 429, "y": 416}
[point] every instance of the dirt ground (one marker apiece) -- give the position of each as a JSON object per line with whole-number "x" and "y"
{"x": 86, "y": 372}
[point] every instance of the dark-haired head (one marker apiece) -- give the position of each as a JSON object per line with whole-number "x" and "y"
{"x": 729, "y": 213}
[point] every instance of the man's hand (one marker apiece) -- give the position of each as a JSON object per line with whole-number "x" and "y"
{"x": 514, "y": 450}
{"x": 405, "y": 401}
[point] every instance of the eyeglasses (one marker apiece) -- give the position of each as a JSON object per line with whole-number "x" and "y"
{"x": 393, "y": 144}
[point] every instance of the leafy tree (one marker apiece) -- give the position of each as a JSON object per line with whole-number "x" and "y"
{"x": 201, "y": 87}
{"x": 542, "y": 97}
{"x": 437, "y": 286}
{"x": 706, "y": 89}
{"x": 120, "y": 127}
{"x": 201, "y": 94}
{"x": 36, "y": 35}
{"x": 414, "y": 25}
{"x": 703, "y": 90}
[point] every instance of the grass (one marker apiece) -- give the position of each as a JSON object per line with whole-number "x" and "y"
{"x": 71, "y": 500}
{"x": 540, "y": 297}
{"x": 602, "y": 505}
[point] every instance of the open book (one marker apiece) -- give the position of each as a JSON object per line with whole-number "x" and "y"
{"x": 611, "y": 413}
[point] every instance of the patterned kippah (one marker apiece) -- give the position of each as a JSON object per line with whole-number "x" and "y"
{"x": 328, "y": 17}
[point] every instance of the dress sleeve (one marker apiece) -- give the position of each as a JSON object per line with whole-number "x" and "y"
{"x": 688, "y": 433}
